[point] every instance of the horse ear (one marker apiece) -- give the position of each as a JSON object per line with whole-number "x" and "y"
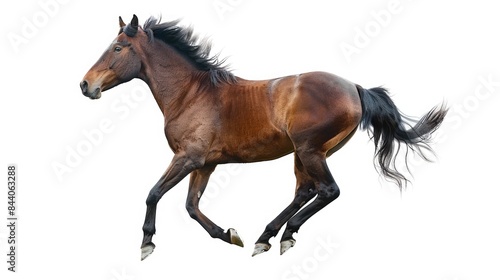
{"x": 131, "y": 29}
{"x": 122, "y": 24}
{"x": 135, "y": 22}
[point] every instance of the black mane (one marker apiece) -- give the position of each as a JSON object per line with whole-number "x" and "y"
{"x": 198, "y": 52}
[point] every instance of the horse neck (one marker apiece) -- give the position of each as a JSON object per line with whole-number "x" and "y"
{"x": 168, "y": 75}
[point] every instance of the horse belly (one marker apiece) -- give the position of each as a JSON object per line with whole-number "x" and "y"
{"x": 259, "y": 146}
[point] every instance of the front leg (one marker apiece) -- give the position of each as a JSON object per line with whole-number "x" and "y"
{"x": 197, "y": 185}
{"x": 182, "y": 164}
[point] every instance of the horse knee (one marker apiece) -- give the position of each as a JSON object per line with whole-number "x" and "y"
{"x": 191, "y": 209}
{"x": 329, "y": 193}
{"x": 306, "y": 192}
{"x": 153, "y": 198}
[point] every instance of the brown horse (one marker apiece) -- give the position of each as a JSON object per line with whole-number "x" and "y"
{"x": 213, "y": 117}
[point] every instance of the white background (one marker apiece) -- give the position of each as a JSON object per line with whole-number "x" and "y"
{"x": 86, "y": 223}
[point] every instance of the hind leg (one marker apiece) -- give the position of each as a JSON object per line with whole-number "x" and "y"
{"x": 304, "y": 192}
{"x": 327, "y": 191}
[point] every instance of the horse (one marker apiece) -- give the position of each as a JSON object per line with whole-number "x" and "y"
{"x": 213, "y": 117}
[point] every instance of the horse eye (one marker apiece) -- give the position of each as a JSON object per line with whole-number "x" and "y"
{"x": 118, "y": 49}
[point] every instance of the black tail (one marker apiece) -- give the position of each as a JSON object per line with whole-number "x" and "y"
{"x": 389, "y": 129}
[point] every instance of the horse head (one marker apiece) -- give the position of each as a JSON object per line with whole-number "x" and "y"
{"x": 118, "y": 64}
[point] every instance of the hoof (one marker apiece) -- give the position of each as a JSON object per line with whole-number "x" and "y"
{"x": 234, "y": 237}
{"x": 147, "y": 250}
{"x": 285, "y": 245}
{"x": 260, "y": 248}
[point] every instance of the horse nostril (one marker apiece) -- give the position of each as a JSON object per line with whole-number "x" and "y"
{"x": 84, "y": 86}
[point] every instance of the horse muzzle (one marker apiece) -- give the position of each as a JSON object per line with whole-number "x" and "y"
{"x": 94, "y": 93}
